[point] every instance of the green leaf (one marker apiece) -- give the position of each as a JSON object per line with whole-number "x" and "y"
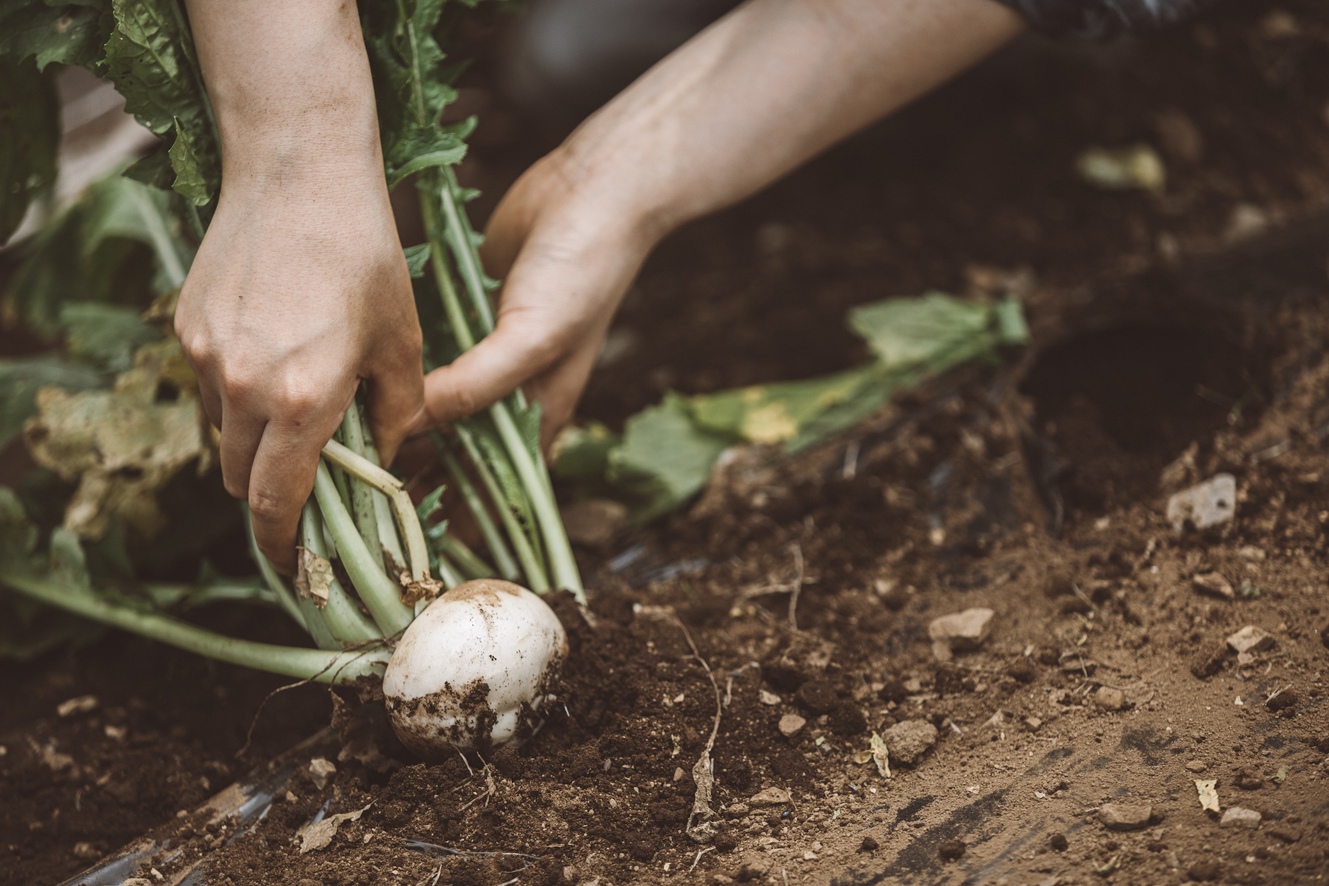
{"x": 30, "y": 121}
{"x": 21, "y": 379}
{"x": 416, "y": 259}
{"x": 779, "y": 412}
{"x": 65, "y": 33}
{"x": 909, "y": 333}
{"x": 665, "y": 458}
{"x": 106, "y": 336}
{"x": 581, "y": 452}
{"x": 191, "y": 175}
{"x": 18, "y": 537}
{"x": 149, "y": 57}
{"x": 417, "y": 148}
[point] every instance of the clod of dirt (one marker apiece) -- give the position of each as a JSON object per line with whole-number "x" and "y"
{"x": 910, "y": 740}
{"x": 950, "y": 850}
{"x": 770, "y": 797}
{"x": 1059, "y": 842}
{"x": 1211, "y": 503}
{"x": 846, "y": 719}
{"x": 1022, "y": 671}
{"x": 819, "y": 696}
{"x": 1215, "y": 585}
{"x": 1197, "y": 766}
{"x": 791, "y": 724}
{"x": 1281, "y": 701}
{"x": 1125, "y": 816}
{"x": 868, "y": 845}
{"x": 949, "y": 681}
{"x": 1239, "y": 817}
{"x": 893, "y": 691}
{"x": 1110, "y": 699}
{"x": 1250, "y": 639}
{"x": 960, "y": 631}
{"x": 1204, "y": 871}
{"x": 1208, "y": 663}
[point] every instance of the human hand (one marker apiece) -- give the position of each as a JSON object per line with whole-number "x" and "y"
{"x": 297, "y": 293}
{"x": 569, "y": 251}
{"x": 759, "y": 92}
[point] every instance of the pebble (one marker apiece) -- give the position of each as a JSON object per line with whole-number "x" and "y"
{"x": 1204, "y": 871}
{"x": 770, "y": 797}
{"x": 1125, "y": 816}
{"x": 950, "y": 850}
{"x": 1197, "y": 766}
{"x": 1110, "y": 699}
{"x": 910, "y": 740}
{"x": 1214, "y": 585}
{"x": 320, "y": 770}
{"x": 1210, "y": 503}
{"x": 1208, "y": 663}
{"x": 1250, "y": 639}
{"x": 1033, "y": 724}
{"x": 80, "y": 705}
{"x": 791, "y": 723}
{"x": 960, "y": 631}
{"x": 868, "y": 845}
{"x": 768, "y": 698}
{"x": 1239, "y": 817}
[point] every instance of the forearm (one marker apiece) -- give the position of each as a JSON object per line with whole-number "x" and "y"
{"x": 766, "y": 88}
{"x": 291, "y": 88}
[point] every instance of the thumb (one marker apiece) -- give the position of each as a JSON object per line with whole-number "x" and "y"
{"x": 519, "y": 348}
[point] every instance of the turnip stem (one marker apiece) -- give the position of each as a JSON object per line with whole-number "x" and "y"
{"x": 306, "y": 664}
{"x": 388, "y": 538}
{"x": 408, "y": 522}
{"x": 285, "y": 596}
{"x": 494, "y": 540}
{"x": 362, "y": 494}
{"x": 380, "y": 594}
{"x": 467, "y": 561}
{"x": 339, "y": 615}
{"x": 532, "y": 569}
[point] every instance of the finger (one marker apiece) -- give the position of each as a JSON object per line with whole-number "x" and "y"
{"x": 280, "y": 483}
{"x": 240, "y": 436}
{"x": 396, "y": 406}
{"x": 559, "y": 389}
{"x": 212, "y": 405}
{"x": 518, "y": 349}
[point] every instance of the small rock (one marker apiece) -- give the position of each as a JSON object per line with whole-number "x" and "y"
{"x": 1059, "y": 842}
{"x": 80, "y": 705}
{"x": 1250, "y": 639}
{"x": 818, "y": 695}
{"x": 1110, "y": 699}
{"x": 791, "y": 723}
{"x": 960, "y": 631}
{"x": 594, "y": 522}
{"x": 910, "y": 740}
{"x": 1238, "y": 817}
{"x": 769, "y": 698}
{"x": 950, "y": 850}
{"x": 1023, "y": 671}
{"x": 1204, "y": 871}
{"x": 1282, "y": 700}
{"x": 1197, "y": 766}
{"x": 868, "y": 845}
{"x": 1211, "y": 503}
{"x": 1033, "y": 724}
{"x": 1125, "y": 816}
{"x": 86, "y": 850}
{"x": 893, "y": 691}
{"x": 320, "y": 770}
{"x": 738, "y": 810}
{"x": 137, "y": 881}
{"x": 1214, "y": 585}
{"x": 770, "y": 797}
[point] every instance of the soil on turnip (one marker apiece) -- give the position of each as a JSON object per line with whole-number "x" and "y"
{"x": 1177, "y": 335}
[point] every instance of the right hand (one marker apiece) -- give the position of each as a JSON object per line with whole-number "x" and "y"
{"x": 298, "y": 292}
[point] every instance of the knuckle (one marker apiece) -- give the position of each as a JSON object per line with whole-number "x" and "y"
{"x": 265, "y": 504}
{"x": 234, "y": 489}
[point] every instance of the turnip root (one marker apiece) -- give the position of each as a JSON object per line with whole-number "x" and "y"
{"x": 475, "y": 669}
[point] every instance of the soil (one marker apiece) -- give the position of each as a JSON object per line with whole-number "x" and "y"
{"x": 1177, "y": 336}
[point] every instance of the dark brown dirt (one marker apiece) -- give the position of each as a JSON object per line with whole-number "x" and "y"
{"x": 1167, "y": 349}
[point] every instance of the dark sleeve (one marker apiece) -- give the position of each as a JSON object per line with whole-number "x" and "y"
{"x": 1100, "y": 19}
